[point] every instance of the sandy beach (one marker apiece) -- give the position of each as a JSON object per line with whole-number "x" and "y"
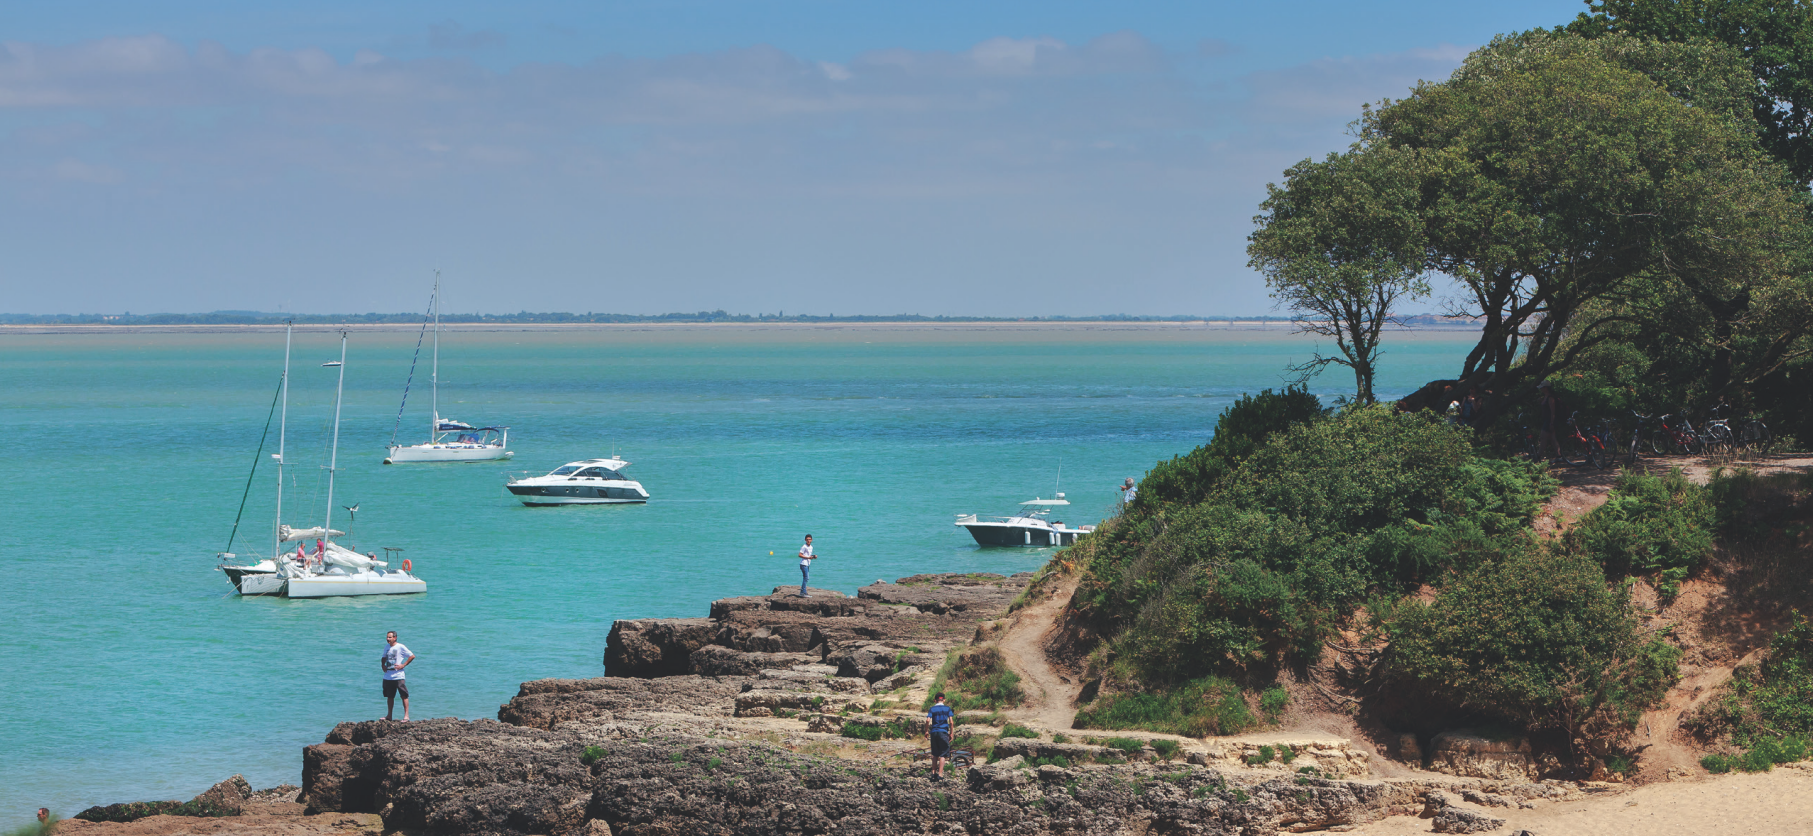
{"x": 1775, "y": 803}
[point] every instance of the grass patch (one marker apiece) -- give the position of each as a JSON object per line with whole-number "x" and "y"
{"x": 1208, "y": 706}
{"x": 1166, "y": 749}
{"x": 892, "y": 729}
{"x": 1264, "y": 755}
{"x": 1272, "y": 703}
{"x": 36, "y": 828}
{"x": 591, "y": 755}
{"x": 976, "y": 678}
{"x": 1060, "y": 737}
{"x": 1013, "y": 730}
{"x": 1764, "y": 708}
{"x": 1126, "y": 745}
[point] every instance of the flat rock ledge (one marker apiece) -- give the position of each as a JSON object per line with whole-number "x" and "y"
{"x": 483, "y": 777}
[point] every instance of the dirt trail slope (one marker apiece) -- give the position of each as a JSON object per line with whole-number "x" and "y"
{"x": 1050, "y": 696}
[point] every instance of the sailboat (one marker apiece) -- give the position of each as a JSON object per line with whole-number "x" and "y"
{"x": 448, "y": 440}
{"x": 332, "y": 570}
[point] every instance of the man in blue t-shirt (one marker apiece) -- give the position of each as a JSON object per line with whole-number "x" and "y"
{"x": 941, "y": 736}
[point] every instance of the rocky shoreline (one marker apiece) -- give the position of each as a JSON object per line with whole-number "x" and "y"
{"x": 741, "y": 723}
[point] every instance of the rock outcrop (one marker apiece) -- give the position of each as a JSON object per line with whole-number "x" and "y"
{"x": 482, "y": 777}
{"x": 1467, "y": 753}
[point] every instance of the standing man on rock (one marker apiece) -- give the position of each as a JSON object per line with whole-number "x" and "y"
{"x": 940, "y": 716}
{"x": 805, "y": 564}
{"x": 395, "y": 658}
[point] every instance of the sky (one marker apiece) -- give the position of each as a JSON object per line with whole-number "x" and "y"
{"x": 1003, "y": 158}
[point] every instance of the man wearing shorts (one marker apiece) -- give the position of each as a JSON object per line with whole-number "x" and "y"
{"x": 940, "y": 716}
{"x": 395, "y": 658}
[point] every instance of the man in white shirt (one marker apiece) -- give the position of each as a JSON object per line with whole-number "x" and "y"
{"x": 805, "y": 564}
{"x": 1128, "y": 491}
{"x": 395, "y": 658}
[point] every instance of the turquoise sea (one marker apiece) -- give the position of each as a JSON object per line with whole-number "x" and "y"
{"x": 130, "y": 673}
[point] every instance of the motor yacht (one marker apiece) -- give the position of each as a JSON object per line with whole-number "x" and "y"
{"x": 1028, "y": 527}
{"x": 587, "y": 482}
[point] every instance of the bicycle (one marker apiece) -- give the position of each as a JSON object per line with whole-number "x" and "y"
{"x": 1678, "y": 438}
{"x": 1715, "y": 434}
{"x": 1636, "y": 436}
{"x": 1754, "y": 435}
{"x": 1592, "y": 448}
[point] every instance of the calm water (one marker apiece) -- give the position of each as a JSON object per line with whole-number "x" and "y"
{"x": 131, "y": 674}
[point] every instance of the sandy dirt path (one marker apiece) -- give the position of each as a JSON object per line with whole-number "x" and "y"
{"x": 1050, "y": 696}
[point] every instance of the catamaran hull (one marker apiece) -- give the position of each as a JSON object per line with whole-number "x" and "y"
{"x": 332, "y": 586}
{"x": 252, "y": 581}
{"x": 446, "y": 453}
{"x": 995, "y": 534}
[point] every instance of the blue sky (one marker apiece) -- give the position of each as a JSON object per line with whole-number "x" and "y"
{"x": 1004, "y": 158}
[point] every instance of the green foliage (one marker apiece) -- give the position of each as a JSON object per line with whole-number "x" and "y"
{"x": 1273, "y": 701}
{"x": 1538, "y": 638}
{"x": 1657, "y": 524}
{"x": 1308, "y": 523}
{"x": 1167, "y": 749}
{"x": 1200, "y": 708}
{"x": 1054, "y": 760}
{"x": 1264, "y": 755}
{"x": 1287, "y": 754}
{"x": 1766, "y": 708}
{"x": 976, "y": 678}
{"x": 944, "y": 801}
{"x": 1241, "y": 429}
{"x": 1126, "y": 745}
{"x": 592, "y": 754}
{"x": 713, "y": 763}
{"x": 892, "y": 729}
{"x": 677, "y": 757}
{"x": 37, "y": 828}
{"x": 1751, "y": 507}
{"x": 1060, "y": 737}
{"x": 1013, "y": 730}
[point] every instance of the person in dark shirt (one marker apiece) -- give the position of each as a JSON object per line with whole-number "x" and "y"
{"x": 941, "y": 736}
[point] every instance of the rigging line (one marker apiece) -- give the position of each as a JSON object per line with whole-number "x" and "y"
{"x": 256, "y": 457}
{"x": 411, "y": 378}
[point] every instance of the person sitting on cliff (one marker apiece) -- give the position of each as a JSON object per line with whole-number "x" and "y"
{"x": 940, "y": 716}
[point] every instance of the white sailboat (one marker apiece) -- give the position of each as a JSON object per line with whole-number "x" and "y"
{"x": 448, "y": 440}
{"x": 332, "y": 570}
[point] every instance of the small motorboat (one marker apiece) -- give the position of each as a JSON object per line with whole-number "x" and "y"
{"x": 587, "y": 482}
{"x": 1029, "y": 527}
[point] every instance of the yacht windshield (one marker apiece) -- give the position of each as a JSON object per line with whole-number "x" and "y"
{"x": 564, "y": 470}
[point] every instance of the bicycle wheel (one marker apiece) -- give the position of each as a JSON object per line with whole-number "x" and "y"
{"x": 1636, "y": 444}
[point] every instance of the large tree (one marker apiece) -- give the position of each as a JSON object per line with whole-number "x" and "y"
{"x": 1339, "y": 245}
{"x": 1557, "y": 173}
{"x": 1775, "y": 38}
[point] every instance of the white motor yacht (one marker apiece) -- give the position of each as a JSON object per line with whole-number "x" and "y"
{"x": 1029, "y": 527}
{"x": 448, "y": 440}
{"x": 588, "y": 482}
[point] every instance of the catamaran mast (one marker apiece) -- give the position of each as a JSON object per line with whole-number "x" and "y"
{"x": 282, "y": 427}
{"x": 333, "y": 458}
{"x": 434, "y": 371}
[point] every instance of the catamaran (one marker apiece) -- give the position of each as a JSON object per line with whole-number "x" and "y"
{"x": 448, "y": 440}
{"x": 332, "y": 570}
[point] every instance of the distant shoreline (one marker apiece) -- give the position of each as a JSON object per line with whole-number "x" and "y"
{"x": 1032, "y": 325}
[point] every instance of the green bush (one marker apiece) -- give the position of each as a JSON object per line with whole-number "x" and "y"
{"x": 1013, "y": 730}
{"x": 1264, "y": 755}
{"x": 1748, "y": 506}
{"x": 1766, "y": 708}
{"x": 1660, "y": 524}
{"x": 1306, "y": 526}
{"x": 1166, "y": 749}
{"x": 1273, "y": 701}
{"x": 1242, "y": 427}
{"x": 1201, "y": 708}
{"x": 592, "y": 754}
{"x": 976, "y": 678}
{"x": 1538, "y": 638}
{"x": 1126, "y": 745}
{"x": 893, "y": 729}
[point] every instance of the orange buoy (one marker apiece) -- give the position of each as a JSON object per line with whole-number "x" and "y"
{"x": 405, "y": 564}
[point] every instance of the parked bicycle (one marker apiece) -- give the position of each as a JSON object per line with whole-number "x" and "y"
{"x": 1590, "y": 445}
{"x": 1754, "y": 436}
{"x": 1644, "y": 430}
{"x": 1676, "y": 438}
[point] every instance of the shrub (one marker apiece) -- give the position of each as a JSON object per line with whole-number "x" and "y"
{"x": 896, "y": 728}
{"x": 1240, "y": 429}
{"x": 592, "y": 754}
{"x": 1538, "y": 638}
{"x": 1659, "y": 524}
{"x": 1126, "y": 745}
{"x": 1166, "y": 749}
{"x": 1207, "y": 706}
{"x": 1273, "y": 701}
{"x": 1012, "y": 730}
{"x": 1284, "y": 548}
{"x": 1765, "y": 708}
{"x": 1264, "y": 755}
{"x": 977, "y": 678}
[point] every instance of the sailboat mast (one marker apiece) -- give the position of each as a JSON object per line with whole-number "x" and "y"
{"x": 282, "y": 427}
{"x": 434, "y": 371}
{"x": 333, "y": 458}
